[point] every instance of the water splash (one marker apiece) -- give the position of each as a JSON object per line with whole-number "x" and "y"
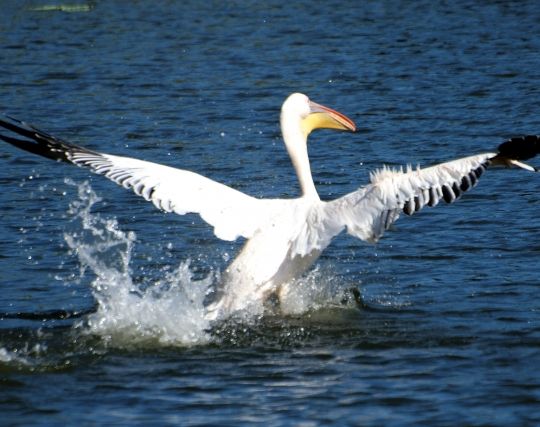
{"x": 12, "y": 357}
{"x": 320, "y": 289}
{"x": 170, "y": 310}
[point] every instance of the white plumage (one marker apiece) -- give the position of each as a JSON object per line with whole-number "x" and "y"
{"x": 284, "y": 236}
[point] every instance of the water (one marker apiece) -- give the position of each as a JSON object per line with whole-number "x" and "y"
{"x": 451, "y": 329}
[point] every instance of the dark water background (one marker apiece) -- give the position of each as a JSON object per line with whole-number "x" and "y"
{"x": 451, "y": 332}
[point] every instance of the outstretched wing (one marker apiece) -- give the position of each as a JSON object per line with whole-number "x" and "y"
{"x": 369, "y": 211}
{"x": 231, "y": 212}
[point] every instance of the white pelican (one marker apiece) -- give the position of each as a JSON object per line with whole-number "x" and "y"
{"x": 284, "y": 236}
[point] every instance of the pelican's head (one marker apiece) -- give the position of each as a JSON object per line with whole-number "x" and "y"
{"x": 298, "y": 109}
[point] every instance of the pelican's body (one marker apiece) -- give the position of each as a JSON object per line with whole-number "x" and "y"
{"x": 268, "y": 259}
{"x": 277, "y": 252}
{"x": 284, "y": 237}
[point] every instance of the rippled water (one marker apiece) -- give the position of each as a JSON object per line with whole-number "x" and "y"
{"x": 101, "y": 293}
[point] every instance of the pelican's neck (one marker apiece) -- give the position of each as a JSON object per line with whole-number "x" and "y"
{"x": 296, "y": 142}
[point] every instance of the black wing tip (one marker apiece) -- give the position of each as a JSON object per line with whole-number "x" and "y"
{"x": 36, "y": 141}
{"x": 521, "y": 147}
{"x": 26, "y": 129}
{"x": 15, "y": 125}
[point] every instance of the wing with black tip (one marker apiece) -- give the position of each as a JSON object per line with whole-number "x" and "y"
{"x": 370, "y": 210}
{"x": 231, "y": 212}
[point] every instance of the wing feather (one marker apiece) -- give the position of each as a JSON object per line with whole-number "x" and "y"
{"x": 367, "y": 212}
{"x": 231, "y": 212}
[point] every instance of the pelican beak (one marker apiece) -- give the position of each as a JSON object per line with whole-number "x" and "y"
{"x": 322, "y": 117}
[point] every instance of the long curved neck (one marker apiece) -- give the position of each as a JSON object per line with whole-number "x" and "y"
{"x": 296, "y": 142}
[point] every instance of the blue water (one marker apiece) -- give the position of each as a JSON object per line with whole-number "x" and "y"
{"x": 450, "y": 334}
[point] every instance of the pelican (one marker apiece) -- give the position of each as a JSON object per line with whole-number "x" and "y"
{"x": 284, "y": 237}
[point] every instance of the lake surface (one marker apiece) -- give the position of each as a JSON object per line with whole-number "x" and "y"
{"x": 101, "y": 293}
